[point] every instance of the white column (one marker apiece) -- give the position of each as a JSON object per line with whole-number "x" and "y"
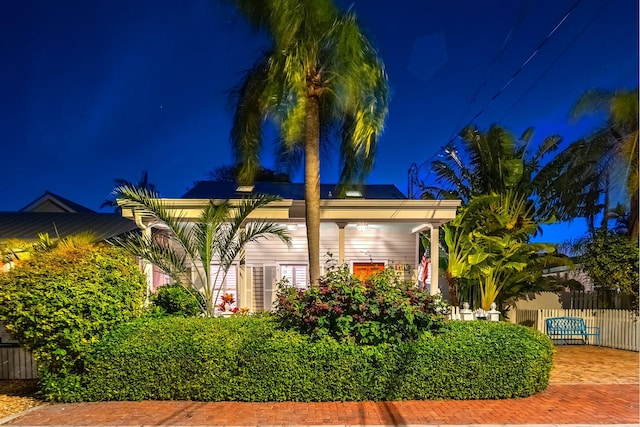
{"x": 147, "y": 267}
{"x": 435, "y": 259}
{"x": 341, "y": 226}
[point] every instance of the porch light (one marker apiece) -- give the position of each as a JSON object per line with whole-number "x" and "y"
{"x": 362, "y": 227}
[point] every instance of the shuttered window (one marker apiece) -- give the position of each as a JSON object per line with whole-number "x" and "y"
{"x": 227, "y": 286}
{"x": 296, "y": 274}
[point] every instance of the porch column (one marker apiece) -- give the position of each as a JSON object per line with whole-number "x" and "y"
{"x": 435, "y": 259}
{"x": 341, "y": 226}
{"x": 147, "y": 268}
{"x": 242, "y": 286}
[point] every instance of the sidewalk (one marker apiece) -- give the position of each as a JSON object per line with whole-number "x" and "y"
{"x": 559, "y": 404}
{"x": 589, "y": 386}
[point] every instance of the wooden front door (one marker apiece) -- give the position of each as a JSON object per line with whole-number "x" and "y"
{"x": 362, "y": 270}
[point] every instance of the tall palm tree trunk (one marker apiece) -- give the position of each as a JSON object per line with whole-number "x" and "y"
{"x": 312, "y": 184}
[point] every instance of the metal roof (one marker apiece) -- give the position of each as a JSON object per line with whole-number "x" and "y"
{"x": 27, "y": 225}
{"x": 62, "y": 203}
{"x": 227, "y": 190}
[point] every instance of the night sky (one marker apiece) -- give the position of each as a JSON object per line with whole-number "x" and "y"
{"x": 102, "y": 89}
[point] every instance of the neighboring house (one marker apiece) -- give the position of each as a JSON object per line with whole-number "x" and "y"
{"x": 368, "y": 230}
{"x": 59, "y": 217}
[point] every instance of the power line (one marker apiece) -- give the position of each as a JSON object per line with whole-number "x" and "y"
{"x": 506, "y": 42}
{"x": 524, "y": 64}
{"x": 555, "y": 61}
{"x": 414, "y": 169}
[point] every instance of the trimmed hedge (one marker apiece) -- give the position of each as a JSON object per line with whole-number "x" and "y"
{"x": 250, "y": 359}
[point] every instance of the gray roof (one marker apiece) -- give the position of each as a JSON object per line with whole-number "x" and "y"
{"x": 227, "y": 190}
{"x": 62, "y": 203}
{"x": 27, "y": 225}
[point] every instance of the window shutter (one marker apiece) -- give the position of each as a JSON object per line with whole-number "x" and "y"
{"x": 269, "y": 287}
{"x": 301, "y": 276}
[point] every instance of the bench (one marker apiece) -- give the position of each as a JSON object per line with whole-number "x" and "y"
{"x": 567, "y": 327}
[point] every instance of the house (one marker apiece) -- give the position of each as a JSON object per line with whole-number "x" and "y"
{"x": 59, "y": 217}
{"x": 370, "y": 229}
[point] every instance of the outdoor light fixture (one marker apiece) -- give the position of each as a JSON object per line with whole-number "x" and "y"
{"x": 362, "y": 227}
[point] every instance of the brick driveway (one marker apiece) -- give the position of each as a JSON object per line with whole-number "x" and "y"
{"x": 580, "y": 397}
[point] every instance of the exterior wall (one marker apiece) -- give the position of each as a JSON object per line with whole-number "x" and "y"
{"x": 392, "y": 244}
{"x": 389, "y": 243}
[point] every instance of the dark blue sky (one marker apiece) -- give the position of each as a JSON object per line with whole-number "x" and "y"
{"x": 94, "y": 90}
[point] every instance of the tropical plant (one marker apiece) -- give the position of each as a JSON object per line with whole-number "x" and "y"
{"x": 488, "y": 245}
{"x": 612, "y": 261}
{"x": 614, "y": 162}
{"x": 380, "y": 309}
{"x": 143, "y": 182}
{"x": 186, "y": 250}
{"x": 13, "y": 251}
{"x": 495, "y": 161}
{"x": 59, "y": 303}
{"x": 320, "y": 75}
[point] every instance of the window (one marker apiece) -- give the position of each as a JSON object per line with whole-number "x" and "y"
{"x": 296, "y": 274}
{"x": 227, "y": 286}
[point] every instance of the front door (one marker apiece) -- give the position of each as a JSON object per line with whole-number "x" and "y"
{"x": 363, "y": 270}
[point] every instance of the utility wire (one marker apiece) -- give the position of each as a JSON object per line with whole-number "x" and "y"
{"x": 524, "y": 64}
{"x": 501, "y": 51}
{"x": 413, "y": 170}
{"x": 555, "y": 61}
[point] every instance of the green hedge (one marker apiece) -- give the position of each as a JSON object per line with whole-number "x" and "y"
{"x": 249, "y": 359}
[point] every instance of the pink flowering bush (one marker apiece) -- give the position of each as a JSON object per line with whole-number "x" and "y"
{"x": 382, "y": 309}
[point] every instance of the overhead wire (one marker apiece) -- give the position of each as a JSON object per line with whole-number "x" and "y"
{"x": 415, "y": 168}
{"x": 555, "y": 61}
{"x": 506, "y": 42}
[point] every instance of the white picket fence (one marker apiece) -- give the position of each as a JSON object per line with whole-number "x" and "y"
{"x": 618, "y": 328}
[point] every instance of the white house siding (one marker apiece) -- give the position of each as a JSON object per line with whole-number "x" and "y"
{"x": 273, "y": 251}
{"x": 389, "y": 243}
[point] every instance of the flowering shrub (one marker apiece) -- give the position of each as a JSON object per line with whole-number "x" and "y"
{"x": 382, "y": 309}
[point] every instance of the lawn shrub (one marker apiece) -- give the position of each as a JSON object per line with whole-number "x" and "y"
{"x": 251, "y": 359}
{"x": 61, "y": 302}
{"x": 177, "y": 300}
{"x": 382, "y": 309}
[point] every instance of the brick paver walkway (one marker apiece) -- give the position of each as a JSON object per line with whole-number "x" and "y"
{"x": 559, "y": 404}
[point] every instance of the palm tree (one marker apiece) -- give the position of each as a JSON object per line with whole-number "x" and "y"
{"x": 321, "y": 76}
{"x": 143, "y": 182}
{"x": 218, "y": 236}
{"x": 495, "y": 161}
{"x": 616, "y": 143}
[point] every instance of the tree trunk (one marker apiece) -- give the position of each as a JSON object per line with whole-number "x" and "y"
{"x": 453, "y": 289}
{"x": 312, "y": 185}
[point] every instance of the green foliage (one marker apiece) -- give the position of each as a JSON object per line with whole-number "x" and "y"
{"x": 178, "y": 300}
{"x": 218, "y": 236}
{"x": 383, "y": 309}
{"x": 488, "y": 244}
{"x": 612, "y": 261}
{"x": 61, "y": 302}
{"x": 251, "y": 359}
